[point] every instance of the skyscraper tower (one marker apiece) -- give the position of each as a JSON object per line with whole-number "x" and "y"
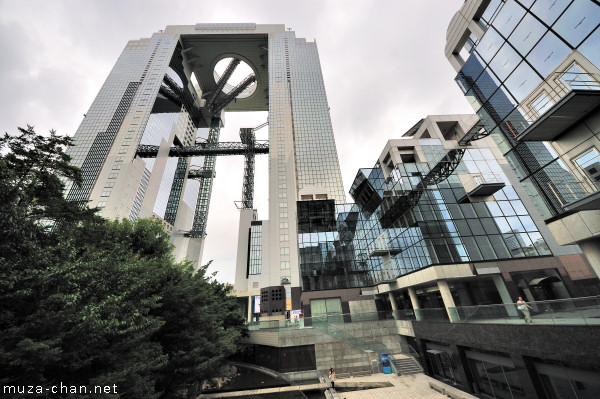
{"x": 136, "y": 143}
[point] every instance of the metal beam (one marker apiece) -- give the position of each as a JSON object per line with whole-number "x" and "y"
{"x": 205, "y": 191}
{"x": 216, "y": 107}
{"x": 249, "y": 139}
{"x": 176, "y": 190}
{"x": 222, "y": 81}
{"x": 204, "y": 149}
{"x": 394, "y": 206}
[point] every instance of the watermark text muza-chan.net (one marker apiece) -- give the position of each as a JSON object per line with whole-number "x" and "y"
{"x": 77, "y": 389}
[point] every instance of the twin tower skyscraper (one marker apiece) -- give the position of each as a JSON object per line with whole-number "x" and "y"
{"x": 136, "y": 141}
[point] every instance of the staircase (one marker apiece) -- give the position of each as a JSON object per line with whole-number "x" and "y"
{"x": 369, "y": 347}
{"x": 406, "y": 365}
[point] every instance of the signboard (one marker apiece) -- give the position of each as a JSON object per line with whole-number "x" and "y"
{"x": 256, "y": 303}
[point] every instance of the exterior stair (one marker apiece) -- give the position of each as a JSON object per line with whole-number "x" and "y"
{"x": 406, "y": 365}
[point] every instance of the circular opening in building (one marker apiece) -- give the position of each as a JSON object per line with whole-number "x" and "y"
{"x": 241, "y": 72}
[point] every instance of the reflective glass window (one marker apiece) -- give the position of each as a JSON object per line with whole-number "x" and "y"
{"x": 527, "y": 34}
{"x": 470, "y": 72}
{"x": 507, "y": 209}
{"x": 508, "y": 17}
{"x": 503, "y": 103}
{"x": 486, "y": 85}
{"x": 549, "y": 10}
{"x": 499, "y": 246}
{"x": 519, "y": 207}
{"x": 489, "y": 226}
{"x": 490, "y": 11}
{"x": 536, "y": 154}
{"x": 522, "y": 81}
{"x": 578, "y": 21}
{"x": 476, "y": 226}
{"x": 472, "y": 248}
{"x": 528, "y": 223}
{"x": 481, "y": 210}
{"x": 486, "y": 119}
{"x": 505, "y": 61}
{"x": 514, "y": 124}
{"x": 494, "y": 208}
{"x": 502, "y": 224}
{"x": 539, "y": 202}
{"x": 473, "y": 100}
{"x": 590, "y": 47}
{"x": 490, "y": 44}
{"x": 548, "y": 53}
{"x": 515, "y": 164}
{"x": 515, "y": 224}
{"x": 485, "y": 247}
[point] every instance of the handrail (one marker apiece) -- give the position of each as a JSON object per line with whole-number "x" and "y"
{"x": 570, "y": 311}
{"x": 548, "y": 301}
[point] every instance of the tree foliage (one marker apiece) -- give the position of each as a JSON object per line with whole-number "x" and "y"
{"x": 86, "y": 301}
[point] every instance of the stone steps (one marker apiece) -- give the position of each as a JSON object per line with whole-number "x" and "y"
{"x": 407, "y": 365}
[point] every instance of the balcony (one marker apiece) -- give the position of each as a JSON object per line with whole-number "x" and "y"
{"x": 482, "y": 183}
{"x": 568, "y": 97}
{"x": 574, "y": 311}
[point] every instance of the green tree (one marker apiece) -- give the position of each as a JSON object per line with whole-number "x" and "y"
{"x": 97, "y": 302}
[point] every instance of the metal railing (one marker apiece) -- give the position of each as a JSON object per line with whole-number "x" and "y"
{"x": 332, "y": 318}
{"x": 555, "y": 87}
{"x": 573, "y": 311}
{"x": 477, "y": 179}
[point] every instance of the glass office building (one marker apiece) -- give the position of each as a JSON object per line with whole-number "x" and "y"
{"x": 424, "y": 203}
{"x": 526, "y": 43}
{"x": 530, "y": 71}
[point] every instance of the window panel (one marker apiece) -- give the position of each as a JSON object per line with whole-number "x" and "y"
{"x": 522, "y": 81}
{"x": 527, "y": 34}
{"x": 508, "y": 17}
{"x": 548, "y": 53}
{"x": 549, "y": 10}
{"x": 505, "y": 61}
{"x": 578, "y": 21}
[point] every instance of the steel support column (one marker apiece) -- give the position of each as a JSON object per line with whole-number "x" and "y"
{"x": 204, "y": 193}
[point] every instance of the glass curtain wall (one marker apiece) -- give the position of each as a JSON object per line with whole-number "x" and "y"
{"x": 400, "y": 225}
{"x": 524, "y": 43}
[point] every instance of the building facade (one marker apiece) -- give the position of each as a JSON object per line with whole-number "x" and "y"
{"x": 530, "y": 71}
{"x": 140, "y": 152}
{"x": 429, "y": 261}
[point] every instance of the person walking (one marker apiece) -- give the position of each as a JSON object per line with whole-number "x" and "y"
{"x": 332, "y": 378}
{"x": 524, "y": 308}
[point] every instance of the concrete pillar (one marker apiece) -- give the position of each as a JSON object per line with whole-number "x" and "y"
{"x": 447, "y": 298}
{"x": 414, "y": 301}
{"x": 250, "y": 310}
{"x": 394, "y": 303}
{"x": 591, "y": 250}
{"x": 505, "y": 295}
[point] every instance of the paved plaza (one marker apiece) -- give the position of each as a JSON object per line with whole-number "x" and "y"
{"x": 413, "y": 386}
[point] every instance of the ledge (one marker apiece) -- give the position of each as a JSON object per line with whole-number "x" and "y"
{"x": 587, "y": 203}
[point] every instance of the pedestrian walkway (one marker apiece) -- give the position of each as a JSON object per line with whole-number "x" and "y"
{"x": 414, "y": 386}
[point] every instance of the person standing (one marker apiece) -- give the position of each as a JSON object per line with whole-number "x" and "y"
{"x": 332, "y": 378}
{"x": 524, "y": 308}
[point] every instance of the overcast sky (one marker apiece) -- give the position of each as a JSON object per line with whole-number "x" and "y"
{"x": 383, "y": 64}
